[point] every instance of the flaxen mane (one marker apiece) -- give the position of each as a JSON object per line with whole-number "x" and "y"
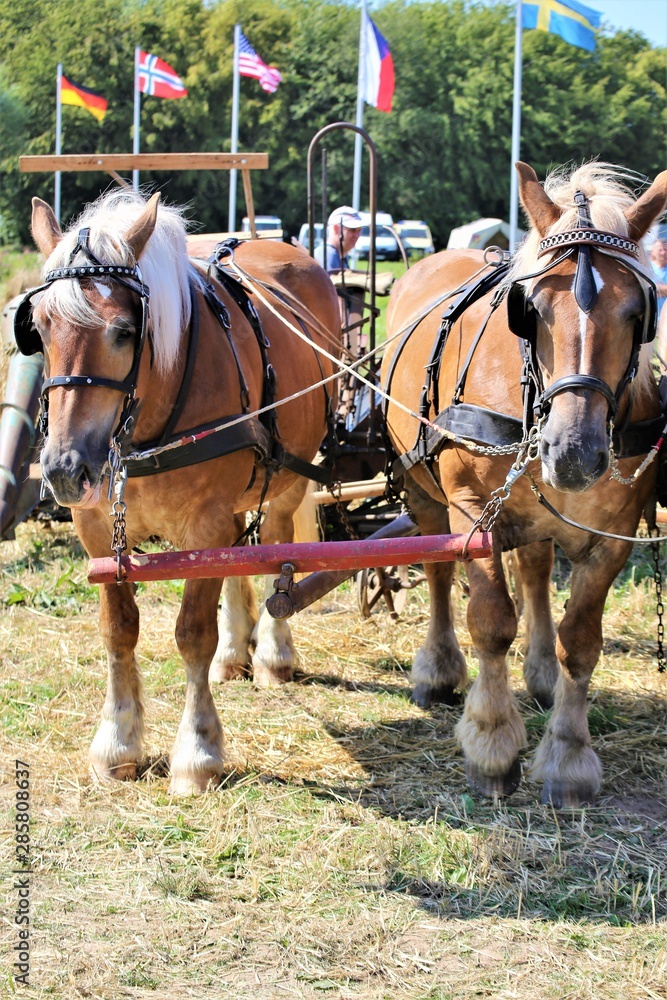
{"x": 163, "y": 267}
{"x": 610, "y": 191}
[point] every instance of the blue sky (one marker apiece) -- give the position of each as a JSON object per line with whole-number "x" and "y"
{"x": 647, "y": 16}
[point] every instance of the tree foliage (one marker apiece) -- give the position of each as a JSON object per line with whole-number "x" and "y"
{"x": 444, "y": 151}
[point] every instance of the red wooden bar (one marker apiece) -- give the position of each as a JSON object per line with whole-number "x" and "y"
{"x": 305, "y": 557}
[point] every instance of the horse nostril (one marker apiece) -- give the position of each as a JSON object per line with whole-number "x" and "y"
{"x": 83, "y": 479}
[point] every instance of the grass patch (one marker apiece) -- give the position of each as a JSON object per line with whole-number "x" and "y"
{"x": 344, "y": 854}
{"x": 19, "y": 270}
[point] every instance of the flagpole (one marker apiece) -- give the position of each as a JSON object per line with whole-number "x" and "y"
{"x": 516, "y": 130}
{"x": 59, "y": 125}
{"x": 359, "y": 122}
{"x": 231, "y": 227}
{"x": 137, "y": 116}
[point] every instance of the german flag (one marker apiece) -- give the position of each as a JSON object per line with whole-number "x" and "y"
{"x": 82, "y": 97}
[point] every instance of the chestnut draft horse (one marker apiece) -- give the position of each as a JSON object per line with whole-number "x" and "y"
{"x": 141, "y": 345}
{"x": 569, "y": 320}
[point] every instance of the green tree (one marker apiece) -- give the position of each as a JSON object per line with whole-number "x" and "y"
{"x": 444, "y": 151}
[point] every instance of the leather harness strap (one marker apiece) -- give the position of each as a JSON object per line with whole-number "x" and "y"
{"x": 259, "y": 433}
{"x": 485, "y": 427}
{"x": 193, "y": 446}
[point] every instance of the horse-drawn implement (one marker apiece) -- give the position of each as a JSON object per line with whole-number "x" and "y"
{"x": 549, "y": 352}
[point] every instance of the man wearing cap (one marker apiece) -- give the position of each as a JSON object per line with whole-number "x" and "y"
{"x": 343, "y": 229}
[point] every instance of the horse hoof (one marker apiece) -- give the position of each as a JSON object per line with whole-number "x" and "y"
{"x": 426, "y": 695}
{"x": 193, "y": 784}
{"x": 267, "y": 677}
{"x": 120, "y": 772}
{"x": 221, "y": 672}
{"x": 563, "y": 795}
{"x": 492, "y": 785}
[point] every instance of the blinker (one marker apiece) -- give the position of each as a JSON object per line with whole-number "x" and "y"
{"x": 520, "y": 314}
{"x": 26, "y": 336}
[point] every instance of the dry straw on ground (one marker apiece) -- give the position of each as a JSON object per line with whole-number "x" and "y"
{"x": 343, "y": 856}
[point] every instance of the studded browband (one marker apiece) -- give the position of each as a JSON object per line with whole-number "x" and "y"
{"x": 116, "y": 271}
{"x": 575, "y": 237}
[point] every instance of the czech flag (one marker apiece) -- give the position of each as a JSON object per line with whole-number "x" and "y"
{"x": 82, "y": 97}
{"x": 378, "y": 76}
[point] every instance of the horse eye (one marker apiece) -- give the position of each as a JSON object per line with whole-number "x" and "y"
{"x": 122, "y": 332}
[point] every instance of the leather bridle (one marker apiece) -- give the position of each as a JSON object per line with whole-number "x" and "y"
{"x": 522, "y": 317}
{"x": 29, "y": 342}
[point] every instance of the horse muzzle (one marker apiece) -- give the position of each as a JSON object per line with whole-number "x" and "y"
{"x": 573, "y": 461}
{"x": 73, "y": 478}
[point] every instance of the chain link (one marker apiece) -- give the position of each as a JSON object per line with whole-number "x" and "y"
{"x": 615, "y": 472}
{"x": 341, "y": 510}
{"x": 529, "y": 451}
{"x": 118, "y": 531}
{"x": 660, "y": 608}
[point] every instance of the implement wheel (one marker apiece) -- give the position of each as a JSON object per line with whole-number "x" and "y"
{"x": 389, "y": 584}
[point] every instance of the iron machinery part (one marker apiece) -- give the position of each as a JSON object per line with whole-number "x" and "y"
{"x": 317, "y": 585}
{"x": 281, "y": 603}
{"x": 19, "y": 492}
{"x": 387, "y": 584}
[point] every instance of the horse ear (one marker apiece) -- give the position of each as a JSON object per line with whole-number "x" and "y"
{"x": 45, "y": 229}
{"x": 141, "y": 230}
{"x": 646, "y": 209}
{"x": 540, "y": 208}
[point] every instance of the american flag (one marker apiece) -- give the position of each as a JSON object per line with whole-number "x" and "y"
{"x": 251, "y": 65}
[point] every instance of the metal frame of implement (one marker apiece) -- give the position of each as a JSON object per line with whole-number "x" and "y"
{"x": 335, "y": 561}
{"x": 254, "y": 560}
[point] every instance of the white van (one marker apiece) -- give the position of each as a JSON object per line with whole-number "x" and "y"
{"x": 303, "y": 235}
{"x": 267, "y": 226}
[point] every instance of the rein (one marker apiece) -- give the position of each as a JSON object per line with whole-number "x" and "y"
{"x": 466, "y": 424}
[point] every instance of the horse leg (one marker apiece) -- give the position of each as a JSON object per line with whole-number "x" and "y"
{"x": 238, "y": 617}
{"x": 236, "y": 621}
{"x": 275, "y": 657}
{"x": 565, "y": 762}
{"x": 196, "y": 756}
{"x": 491, "y": 731}
{"x": 117, "y": 745}
{"x": 439, "y": 667}
{"x": 540, "y": 663}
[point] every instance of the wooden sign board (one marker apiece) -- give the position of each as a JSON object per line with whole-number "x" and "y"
{"x": 113, "y": 162}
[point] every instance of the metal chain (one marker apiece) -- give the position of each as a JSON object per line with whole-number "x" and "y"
{"x": 480, "y": 449}
{"x": 615, "y": 472}
{"x": 341, "y": 510}
{"x": 660, "y": 608}
{"x": 118, "y": 531}
{"x": 528, "y": 452}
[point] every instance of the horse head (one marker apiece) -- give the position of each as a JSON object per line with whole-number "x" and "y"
{"x": 583, "y": 301}
{"x": 90, "y": 318}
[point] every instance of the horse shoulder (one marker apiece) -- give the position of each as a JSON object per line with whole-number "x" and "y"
{"x": 428, "y": 280}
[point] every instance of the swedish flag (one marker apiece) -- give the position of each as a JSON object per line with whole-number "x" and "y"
{"x": 574, "y": 23}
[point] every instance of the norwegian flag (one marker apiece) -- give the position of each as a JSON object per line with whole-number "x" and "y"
{"x": 251, "y": 65}
{"x": 158, "y": 79}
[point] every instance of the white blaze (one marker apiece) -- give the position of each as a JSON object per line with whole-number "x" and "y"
{"x": 583, "y": 317}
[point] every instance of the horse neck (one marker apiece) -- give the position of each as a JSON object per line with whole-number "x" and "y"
{"x": 160, "y": 395}
{"x": 642, "y": 397}
{"x": 213, "y": 388}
